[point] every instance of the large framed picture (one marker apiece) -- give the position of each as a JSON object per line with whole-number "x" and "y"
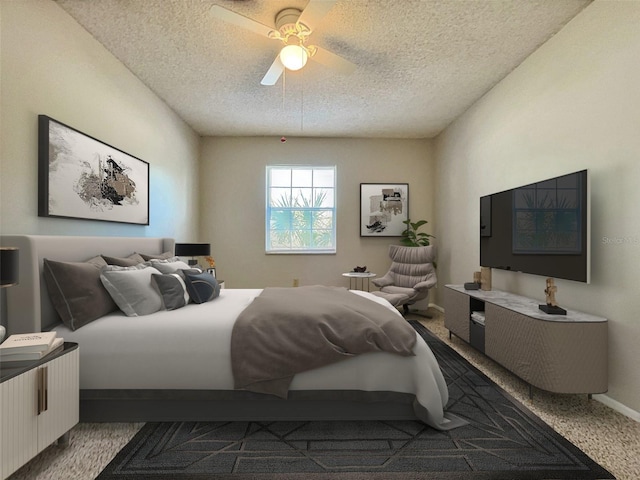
{"x": 383, "y": 208}
{"x": 82, "y": 177}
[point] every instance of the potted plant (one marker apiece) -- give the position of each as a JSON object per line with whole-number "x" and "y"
{"x": 412, "y": 238}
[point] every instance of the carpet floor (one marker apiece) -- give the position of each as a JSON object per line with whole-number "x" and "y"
{"x": 503, "y": 440}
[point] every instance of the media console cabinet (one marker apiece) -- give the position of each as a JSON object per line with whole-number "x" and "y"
{"x": 558, "y": 353}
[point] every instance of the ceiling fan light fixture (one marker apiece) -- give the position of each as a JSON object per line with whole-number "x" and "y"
{"x": 294, "y": 57}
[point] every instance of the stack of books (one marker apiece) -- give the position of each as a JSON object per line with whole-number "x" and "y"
{"x": 22, "y": 347}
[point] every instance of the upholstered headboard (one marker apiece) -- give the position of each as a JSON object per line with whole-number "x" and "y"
{"x": 28, "y": 306}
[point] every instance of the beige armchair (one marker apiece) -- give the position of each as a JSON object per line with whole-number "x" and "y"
{"x": 410, "y": 276}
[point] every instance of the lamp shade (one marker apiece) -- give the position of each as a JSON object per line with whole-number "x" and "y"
{"x": 8, "y": 266}
{"x": 294, "y": 57}
{"x": 193, "y": 249}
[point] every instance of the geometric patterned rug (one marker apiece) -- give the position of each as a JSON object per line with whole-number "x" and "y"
{"x": 503, "y": 440}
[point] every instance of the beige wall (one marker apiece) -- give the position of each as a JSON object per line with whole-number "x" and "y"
{"x": 233, "y": 204}
{"x": 50, "y": 65}
{"x": 573, "y": 104}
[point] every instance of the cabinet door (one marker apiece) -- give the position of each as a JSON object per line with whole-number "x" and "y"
{"x": 457, "y": 313}
{"x": 18, "y": 423}
{"x": 61, "y": 411}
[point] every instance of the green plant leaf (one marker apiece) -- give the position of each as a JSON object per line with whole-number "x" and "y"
{"x": 418, "y": 224}
{"x": 412, "y": 238}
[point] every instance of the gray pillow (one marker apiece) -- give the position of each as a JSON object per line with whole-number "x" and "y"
{"x": 162, "y": 256}
{"x": 76, "y": 292}
{"x": 172, "y": 288}
{"x": 130, "y": 261}
{"x": 202, "y": 287}
{"x": 169, "y": 266}
{"x": 131, "y": 289}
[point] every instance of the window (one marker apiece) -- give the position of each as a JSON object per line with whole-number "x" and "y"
{"x": 301, "y": 209}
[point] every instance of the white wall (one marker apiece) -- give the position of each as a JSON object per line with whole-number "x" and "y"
{"x": 573, "y": 104}
{"x": 233, "y": 204}
{"x": 50, "y": 65}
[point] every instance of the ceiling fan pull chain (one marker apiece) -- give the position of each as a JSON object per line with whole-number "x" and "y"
{"x": 284, "y": 88}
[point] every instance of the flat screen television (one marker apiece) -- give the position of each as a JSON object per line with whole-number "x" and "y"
{"x": 541, "y": 228}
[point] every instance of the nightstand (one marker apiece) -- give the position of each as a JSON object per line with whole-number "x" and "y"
{"x": 39, "y": 404}
{"x": 362, "y": 276}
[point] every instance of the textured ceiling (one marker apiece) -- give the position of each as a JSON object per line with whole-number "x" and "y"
{"x": 420, "y": 63}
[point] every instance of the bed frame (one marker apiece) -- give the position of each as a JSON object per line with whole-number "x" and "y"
{"x": 30, "y": 310}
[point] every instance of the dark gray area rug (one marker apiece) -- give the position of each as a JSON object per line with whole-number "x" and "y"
{"x": 503, "y": 440}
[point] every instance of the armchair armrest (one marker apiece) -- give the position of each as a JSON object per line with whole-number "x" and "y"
{"x": 383, "y": 281}
{"x": 427, "y": 284}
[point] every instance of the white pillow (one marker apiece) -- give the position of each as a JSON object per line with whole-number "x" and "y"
{"x": 169, "y": 266}
{"x": 131, "y": 289}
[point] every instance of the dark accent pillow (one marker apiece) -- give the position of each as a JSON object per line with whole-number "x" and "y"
{"x": 192, "y": 271}
{"x": 173, "y": 289}
{"x": 162, "y": 256}
{"x": 202, "y": 287}
{"x": 130, "y": 261}
{"x": 76, "y": 291}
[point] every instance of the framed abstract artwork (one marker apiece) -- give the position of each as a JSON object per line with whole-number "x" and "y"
{"x": 84, "y": 178}
{"x": 383, "y": 208}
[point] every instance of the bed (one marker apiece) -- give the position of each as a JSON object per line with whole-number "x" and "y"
{"x": 171, "y": 365}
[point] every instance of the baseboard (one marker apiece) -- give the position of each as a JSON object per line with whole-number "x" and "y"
{"x": 436, "y": 307}
{"x": 617, "y": 406}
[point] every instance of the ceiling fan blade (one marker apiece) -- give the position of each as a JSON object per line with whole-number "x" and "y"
{"x": 315, "y": 11}
{"x": 239, "y": 20}
{"x": 331, "y": 60}
{"x": 274, "y": 72}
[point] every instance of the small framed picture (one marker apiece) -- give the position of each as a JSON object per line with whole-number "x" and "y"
{"x": 383, "y": 208}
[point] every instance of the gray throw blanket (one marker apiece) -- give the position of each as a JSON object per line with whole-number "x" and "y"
{"x": 285, "y": 331}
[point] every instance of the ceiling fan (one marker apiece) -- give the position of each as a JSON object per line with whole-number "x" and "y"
{"x": 293, "y": 28}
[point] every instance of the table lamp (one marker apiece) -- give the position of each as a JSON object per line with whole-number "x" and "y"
{"x": 193, "y": 250}
{"x": 8, "y": 273}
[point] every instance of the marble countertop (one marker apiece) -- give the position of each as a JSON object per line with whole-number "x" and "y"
{"x": 524, "y": 305}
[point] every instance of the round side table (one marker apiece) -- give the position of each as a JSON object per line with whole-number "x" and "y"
{"x": 355, "y": 276}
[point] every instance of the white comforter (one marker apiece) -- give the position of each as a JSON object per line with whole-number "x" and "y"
{"x": 189, "y": 348}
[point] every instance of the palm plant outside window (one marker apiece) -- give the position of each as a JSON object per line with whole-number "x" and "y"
{"x": 301, "y": 209}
